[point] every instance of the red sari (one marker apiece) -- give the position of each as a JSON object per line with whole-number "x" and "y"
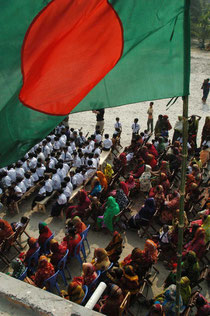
{"x": 45, "y": 271}
{"x": 44, "y": 235}
{"x": 71, "y": 243}
{"x": 5, "y": 230}
{"x": 58, "y": 252}
{"x": 197, "y": 245}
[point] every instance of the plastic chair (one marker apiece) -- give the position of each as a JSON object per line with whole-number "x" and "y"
{"x": 62, "y": 266}
{"x": 85, "y": 289}
{"x": 103, "y": 273}
{"x": 46, "y": 247}
{"x": 33, "y": 259}
{"x": 94, "y": 284}
{"x": 51, "y": 282}
{"x": 23, "y": 275}
{"x": 77, "y": 251}
{"x": 84, "y": 234}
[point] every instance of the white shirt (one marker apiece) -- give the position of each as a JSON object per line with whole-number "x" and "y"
{"x": 62, "y": 199}
{"x": 107, "y": 143}
{"x": 97, "y": 151}
{"x": 20, "y": 172}
{"x": 76, "y": 162}
{"x": 70, "y": 150}
{"x": 40, "y": 171}
{"x": 61, "y": 173}
{"x": 25, "y": 166}
{"x": 34, "y": 177}
{"x": 48, "y": 185}
{"x": 73, "y": 147}
{"x": 67, "y": 192}
{"x": 56, "y": 182}
{"x": 41, "y": 156}
{"x": 89, "y": 173}
{"x": 79, "y": 179}
{"x": 28, "y": 183}
{"x": 22, "y": 186}
{"x": 32, "y": 163}
{"x": 62, "y": 143}
{"x": 46, "y": 151}
{"x": 64, "y": 138}
{"x": 18, "y": 191}
{"x": 42, "y": 191}
{"x": 118, "y": 125}
{"x": 70, "y": 186}
{"x": 56, "y": 145}
{"x": 95, "y": 163}
{"x": 7, "y": 181}
{"x": 12, "y": 174}
{"x": 129, "y": 156}
{"x": 135, "y": 127}
{"x": 66, "y": 156}
{"x": 51, "y": 164}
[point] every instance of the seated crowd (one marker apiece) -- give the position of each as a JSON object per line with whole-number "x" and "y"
{"x": 146, "y": 170}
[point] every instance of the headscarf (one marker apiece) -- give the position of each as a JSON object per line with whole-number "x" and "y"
{"x": 123, "y": 159}
{"x": 45, "y": 270}
{"x": 121, "y": 199}
{"x": 6, "y": 229}
{"x": 131, "y": 183}
{"x": 157, "y": 308}
{"x": 108, "y": 171}
{"x": 206, "y": 227}
{"x": 137, "y": 255}
{"x": 75, "y": 292}
{"x": 102, "y": 179}
{"x": 200, "y": 234}
{"x": 130, "y": 280}
{"x": 150, "y": 249}
{"x": 89, "y": 274}
{"x": 78, "y": 224}
{"x": 18, "y": 268}
{"x": 45, "y": 233}
{"x": 148, "y": 209}
{"x": 112, "y": 209}
{"x": 32, "y": 242}
{"x": 42, "y": 227}
{"x": 169, "y": 303}
{"x": 124, "y": 187}
{"x": 164, "y": 167}
{"x": 82, "y": 196}
{"x": 102, "y": 260}
{"x": 163, "y": 177}
{"x": 185, "y": 289}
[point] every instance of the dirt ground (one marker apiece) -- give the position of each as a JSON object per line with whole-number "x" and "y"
{"x": 200, "y": 66}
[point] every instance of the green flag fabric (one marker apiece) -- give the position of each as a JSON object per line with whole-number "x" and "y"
{"x": 155, "y": 64}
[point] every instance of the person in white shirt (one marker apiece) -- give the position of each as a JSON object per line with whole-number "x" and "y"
{"x": 40, "y": 154}
{"x": 76, "y": 160}
{"x": 56, "y": 180}
{"x": 79, "y": 177}
{"x": 63, "y": 136}
{"x": 72, "y": 144}
{"x": 40, "y": 196}
{"x": 73, "y": 179}
{"x": 62, "y": 142}
{"x": 46, "y": 149}
{"x": 19, "y": 170}
{"x": 69, "y": 184}
{"x": 66, "y": 190}
{"x": 34, "y": 176}
{"x": 49, "y": 144}
{"x": 59, "y": 204}
{"x": 81, "y": 138}
{"x": 65, "y": 155}
{"x": 48, "y": 185}
{"x": 56, "y": 144}
{"x": 21, "y": 185}
{"x": 18, "y": 192}
{"x": 32, "y": 161}
{"x": 135, "y": 128}
{"x": 61, "y": 171}
{"x": 6, "y": 180}
{"x": 97, "y": 149}
{"x": 107, "y": 143}
{"x": 40, "y": 171}
{"x": 28, "y": 182}
{"x": 90, "y": 171}
{"x": 118, "y": 124}
{"x": 25, "y": 165}
{"x": 11, "y": 173}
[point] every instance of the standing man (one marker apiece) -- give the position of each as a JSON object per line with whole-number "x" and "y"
{"x": 150, "y": 117}
{"x": 99, "y": 118}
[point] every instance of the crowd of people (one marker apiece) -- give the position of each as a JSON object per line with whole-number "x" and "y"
{"x": 148, "y": 169}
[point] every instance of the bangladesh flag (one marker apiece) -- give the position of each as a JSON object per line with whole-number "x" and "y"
{"x": 64, "y": 56}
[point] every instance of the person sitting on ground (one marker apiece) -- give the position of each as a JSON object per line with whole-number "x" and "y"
{"x": 5, "y": 230}
{"x": 71, "y": 240}
{"x": 44, "y": 234}
{"x": 79, "y": 225}
{"x": 44, "y": 271}
{"x": 100, "y": 259}
{"x": 115, "y": 247}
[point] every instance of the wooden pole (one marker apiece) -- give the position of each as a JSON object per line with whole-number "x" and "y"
{"x": 182, "y": 196}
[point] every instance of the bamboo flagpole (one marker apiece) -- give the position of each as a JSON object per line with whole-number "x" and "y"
{"x": 182, "y": 196}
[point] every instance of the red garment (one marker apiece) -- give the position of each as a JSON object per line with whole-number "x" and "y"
{"x": 84, "y": 202}
{"x": 123, "y": 159}
{"x": 5, "y": 230}
{"x": 80, "y": 227}
{"x": 139, "y": 171}
{"x": 58, "y": 252}
{"x": 166, "y": 186}
{"x": 198, "y": 244}
{"x": 45, "y": 271}
{"x": 124, "y": 187}
{"x": 44, "y": 235}
{"x": 71, "y": 243}
{"x": 152, "y": 150}
{"x": 127, "y": 261}
{"x": 30, "y": 252}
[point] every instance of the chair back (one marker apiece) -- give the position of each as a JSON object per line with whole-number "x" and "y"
{"x": 93, "y": 285}
{"x": 62, "y": 262}
{"x": 85, "y": 289}
{"x": 125, "y": 304}
{"x": 23, "y": 275}
{"x": 85, "y": 232}
{"x": 51, "y": 281}
{"x": 46, "y": 248}
{"x": 78, "y": 247}
{"x": 33, "y": 260}
{"x": 108, "y": 269}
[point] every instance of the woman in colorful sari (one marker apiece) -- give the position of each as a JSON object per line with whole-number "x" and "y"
{"x": 45, "y": 270}
{"x": 144, "y": 215}
{"x": 206, "y": 227}
{"x": 170, "y": 206}
{"x": 79, "y": 225}
{"x": 71, "y": 241}
{"x": 145, "y": 179}
{"x": 190, "y": 267}
{"x": 33, "y": 246}
{"x": 164, "y": 182}
{"x": 152, "y": 150}
{"x": 130, "y": 280}
{"x": 101, "y": 259}
{"x": 80, "y": 209}
{"x": 58, "y": 252}
{"x": 111, "y": 304}
{"x": 115, "y": 247}
{"x": 102, "y": 180}
{"x": 136, "y": 253}
{"x": 189, "y": 179}
{"x": 151, "y": 161}
{"x": 89, "y": 274}
{"x": 150, "y": 252}
{"x": 124, "y": 187}
{"x": 131, "y": 183}
{"x": 108, "y": 172}
{"x": 202, "y": 305}
{"x": 96, "y": 189}
{"x": 112, "y": 209}
{"x": 197, "y": 245}
{"x": 18, "y": 268}
{"x": 44, "y": 233}
{"x": 139, "y": 170}
{"x": 5, "y": 230}
{"x": 168, "y": 300}
{"x": 74, "y": 293}
{"x": 123, "y": 159}
{"x": 121, "y": 199}
{"x": 185, "y": 290}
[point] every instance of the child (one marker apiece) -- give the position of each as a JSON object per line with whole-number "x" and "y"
{"x": 19, "y": 224}
{"x": 107, "y": 143}
{"x": 118, "y": 124}
{"x": 135, "y": 128}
